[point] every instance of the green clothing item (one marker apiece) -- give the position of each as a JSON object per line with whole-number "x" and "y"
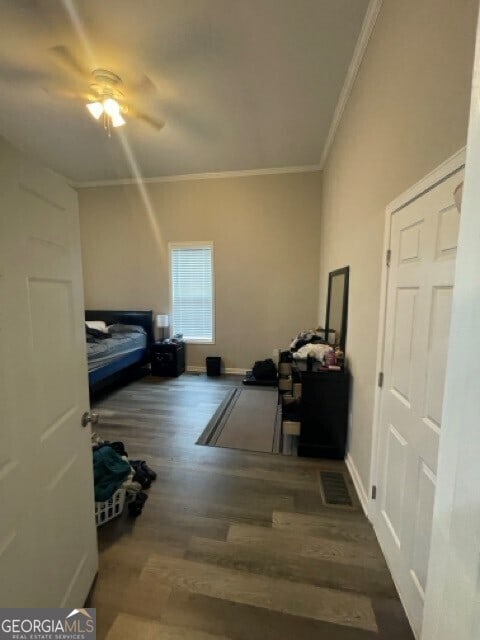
{"x": 109, "y": 472}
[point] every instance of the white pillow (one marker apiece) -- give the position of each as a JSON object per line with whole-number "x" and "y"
{"x": 97, "y": 324}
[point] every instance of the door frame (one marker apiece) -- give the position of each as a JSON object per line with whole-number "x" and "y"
{"x": 452, "y": 165}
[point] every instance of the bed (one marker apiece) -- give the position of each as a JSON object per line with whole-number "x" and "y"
{"x": 121, "y": 356}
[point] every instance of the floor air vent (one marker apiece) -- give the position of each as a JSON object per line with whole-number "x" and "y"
{"x": 334, "y": 488}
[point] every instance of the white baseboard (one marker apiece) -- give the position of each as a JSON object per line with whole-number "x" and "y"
{"x": 229, "y": 370}
{"x": 357, "y": 481}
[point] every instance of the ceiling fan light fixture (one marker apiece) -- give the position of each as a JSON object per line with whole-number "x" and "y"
{"x": 117, "y": 120}
{"x": 111, "y": 107}
{"x": 95, "y": 109}
{"x": 105, "y": 99}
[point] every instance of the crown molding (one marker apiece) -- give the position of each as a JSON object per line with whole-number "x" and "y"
{"x": 360, "y": 48}
{"x": 245, "y": 173}
{"x": 358, "y": 54}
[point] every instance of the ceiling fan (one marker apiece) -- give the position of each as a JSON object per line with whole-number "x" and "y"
{"x": 105, "y": 93}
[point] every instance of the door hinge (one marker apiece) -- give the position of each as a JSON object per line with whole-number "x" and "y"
{"x": 374, "y": 492}
{"x": 380, "y": 379}
{"x": 388, "y": 257}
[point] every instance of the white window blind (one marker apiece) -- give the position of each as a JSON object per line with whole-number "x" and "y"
{"x": 191, "y": 271}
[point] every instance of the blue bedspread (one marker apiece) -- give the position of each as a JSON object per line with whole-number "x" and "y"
{"x": 104, "y": 352}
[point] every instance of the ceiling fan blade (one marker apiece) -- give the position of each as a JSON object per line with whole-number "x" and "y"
{"x": 71, "y": 94}
{"x": 145, "y": 86}
{"x": 156, "y": 123}
{"x": 65, "y": 58}
{"x": 11, "y": 73}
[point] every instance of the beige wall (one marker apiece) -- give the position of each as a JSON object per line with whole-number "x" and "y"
{"x": 265, "y": 231}
{"x": 408, "y": 113}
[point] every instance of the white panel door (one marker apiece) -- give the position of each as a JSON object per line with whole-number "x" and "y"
{"x": 48, "y": 551}
{"x": 420, "y": 285}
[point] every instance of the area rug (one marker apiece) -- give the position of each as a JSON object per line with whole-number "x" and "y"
{"x": 247, "y": 419}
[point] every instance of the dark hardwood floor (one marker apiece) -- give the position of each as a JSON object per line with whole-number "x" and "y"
{"x": 231, "y": 544}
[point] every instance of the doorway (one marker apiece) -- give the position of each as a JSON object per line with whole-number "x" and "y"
{"x": 422, "y": 233}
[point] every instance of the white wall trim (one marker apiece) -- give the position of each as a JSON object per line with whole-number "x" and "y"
{"x": 452, "y": 165}
{"x": 357, "y": 481}
{"x": 229, "y": 370}
{"x": 358, "y": 54}
{"x": 441, "y": 173}
{"x": 244, "y": 173}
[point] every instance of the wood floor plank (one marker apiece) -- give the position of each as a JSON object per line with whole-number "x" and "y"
{"x": 124, "y": 592}
{"x": 179, "y": 528}
{"x": 301, "y": 600}
{"x": 248, "y": 622}
{"x": 204, "y": 508}
{"x": 237, "y": 494}
{"x": 307, "y": 546}
{"x": 321, "y": 573}
{"x": 128, "y": 627}
{"x": 324, "y": 526}
{"x": 295, "y": 478}
{"x": 130, "y": 553}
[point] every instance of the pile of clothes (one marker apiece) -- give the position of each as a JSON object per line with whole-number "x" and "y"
{"x": 312, "y": 336}
{"x": 112, "y": 469}
{"x": 312, "y": 344}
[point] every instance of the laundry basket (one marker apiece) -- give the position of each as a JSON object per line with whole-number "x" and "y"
{"x": 111, "y": 508}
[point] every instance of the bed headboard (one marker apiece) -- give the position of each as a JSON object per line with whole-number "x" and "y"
{"x": 142, "y": 318}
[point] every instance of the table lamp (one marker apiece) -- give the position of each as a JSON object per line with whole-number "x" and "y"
{"x": 162, "y": 323}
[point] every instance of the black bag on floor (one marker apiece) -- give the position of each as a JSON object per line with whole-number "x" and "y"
{"x": 264, "y": 370}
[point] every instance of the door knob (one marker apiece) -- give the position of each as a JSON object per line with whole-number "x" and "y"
{"x": 89, "y": 417}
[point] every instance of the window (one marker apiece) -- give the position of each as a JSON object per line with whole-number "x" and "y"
{"x": 191, "y": 290}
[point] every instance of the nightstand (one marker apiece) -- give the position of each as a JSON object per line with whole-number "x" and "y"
{"x": 167, "y": 358}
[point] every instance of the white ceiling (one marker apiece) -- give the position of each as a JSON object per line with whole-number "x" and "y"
{"x": 241, "y": 84}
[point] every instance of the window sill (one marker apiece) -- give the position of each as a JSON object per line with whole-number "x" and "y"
{"x": 193, "y": 341}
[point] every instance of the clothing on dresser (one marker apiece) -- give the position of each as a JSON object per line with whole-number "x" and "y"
{"x": 313, "y": 336}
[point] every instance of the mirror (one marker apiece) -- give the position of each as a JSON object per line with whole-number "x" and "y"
{"x": 337, "y": 305}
